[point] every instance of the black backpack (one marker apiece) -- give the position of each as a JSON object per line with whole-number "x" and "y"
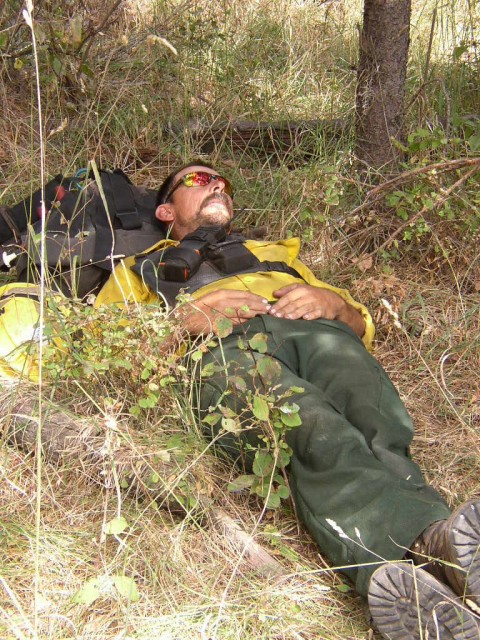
{"x": 84, "y": 238}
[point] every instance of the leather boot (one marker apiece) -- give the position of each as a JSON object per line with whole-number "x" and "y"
{"x": 450, "y": 551}
{"x": 407, "y": 603}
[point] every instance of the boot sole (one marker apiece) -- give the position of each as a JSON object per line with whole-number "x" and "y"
{"x": 463, "y": 535}
{"x": 409, "y": 603}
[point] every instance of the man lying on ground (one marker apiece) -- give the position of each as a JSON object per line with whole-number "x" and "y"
{"x": 354, "y": 485}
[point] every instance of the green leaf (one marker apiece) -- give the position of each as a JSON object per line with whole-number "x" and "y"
{"x": 261, "y": 487}
{"x": 241, "y": 482}
{"x": 208, "y": 370}
{"x": 57, "y": 65}
{"x": 177, "y": 441}
{"x": 283, "y": 459}
{"x": 289, "y": 408}
{"x": 196, "y": 355}
{"x": 241, "y": 344}
{"x": 273, "y": 501}
{"x": 260, "y": 408}
{"x": 269, "y": 369}
{"x": 87, "y": 71}
{"x": 332, "y": 199}
{"x": 459, "y": 51}
{"x": 297, "y": 389}
{"x": 291, "y": 419}
{"x": 291, "y": 554}
{"x": 88, "y": 593}
{"x": 223, "y": 326}
{"x": 474, "y": 142}
{"x": 154, "y": 478}
{"x": 3, "y": 39}
{"x": 126, "y": 587}
{"x": 263, "y": 464}
{"x": 231, "y": 425}
{"x": 283, "y": 492}
{"x": 116, "y": 526}
{"x": 212, "y": 419}
{"x": 123, "y": 364}
{"x": 238, "y": 382}
{"x": 343, "y": 588}
{"x": 149, "y": 402}
{"x": 259, "y": 342}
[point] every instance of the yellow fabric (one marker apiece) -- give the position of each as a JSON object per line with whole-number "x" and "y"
{"x": 125, "y": 286}
{"x": 20, "y": 331}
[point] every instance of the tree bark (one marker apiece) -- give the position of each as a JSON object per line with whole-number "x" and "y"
{"x": 384, "y": 42}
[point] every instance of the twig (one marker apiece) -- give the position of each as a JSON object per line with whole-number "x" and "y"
{"x": 93, "y": 33}
{"x": 449, "y": 165}
{"x": 243, "y": 543}
{"x": 429, "y": 48}
{"x": 65, "y": 437}
{"x": 425, "y": 209}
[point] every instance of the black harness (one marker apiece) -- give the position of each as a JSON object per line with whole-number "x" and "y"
{"x": 207, "y": 255}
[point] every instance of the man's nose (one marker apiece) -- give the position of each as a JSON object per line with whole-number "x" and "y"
{"x": 217, "y": 185}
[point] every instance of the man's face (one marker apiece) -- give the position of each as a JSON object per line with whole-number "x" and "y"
{"x": 193, "y": 207}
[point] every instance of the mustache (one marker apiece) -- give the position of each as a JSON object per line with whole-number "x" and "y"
{"x": 220, "y": 196}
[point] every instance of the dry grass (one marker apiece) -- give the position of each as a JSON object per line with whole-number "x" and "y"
{"x": 192, "y": 582}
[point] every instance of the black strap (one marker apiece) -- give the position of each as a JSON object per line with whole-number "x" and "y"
{"x": 27, "y": 211}
{"x": 149, "y": 268}
{"x": 118, "y": 193}
{"x": 8, "y": 220}
{"x": 32, "y": 293}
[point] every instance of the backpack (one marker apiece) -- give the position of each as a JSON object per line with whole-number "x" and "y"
{"x": 84, "y": 239}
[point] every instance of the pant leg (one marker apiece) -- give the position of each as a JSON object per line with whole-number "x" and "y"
{"x": 350, "y": 464}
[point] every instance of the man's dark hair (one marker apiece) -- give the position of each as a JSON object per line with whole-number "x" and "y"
{"x": 169, "y": 181}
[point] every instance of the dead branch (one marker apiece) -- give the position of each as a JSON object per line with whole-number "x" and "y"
{"x": 108, "y": 455}
{"x": 244, "y": 544}
{"x": 425, "y": 209}
{"x": 377, "y": 192}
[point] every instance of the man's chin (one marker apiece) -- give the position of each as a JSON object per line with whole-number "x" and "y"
{"x": 214, "y": 213}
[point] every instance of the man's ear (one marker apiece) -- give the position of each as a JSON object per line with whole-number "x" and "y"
{"x": 165, "y": 213}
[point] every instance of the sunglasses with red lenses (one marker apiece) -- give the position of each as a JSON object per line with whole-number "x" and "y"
{"x": 200, "y": 179}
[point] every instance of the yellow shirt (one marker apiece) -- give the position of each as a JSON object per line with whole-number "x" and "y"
{"x": 125, "y": 286}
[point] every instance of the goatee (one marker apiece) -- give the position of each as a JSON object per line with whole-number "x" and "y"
{"x": 221, "y": 216}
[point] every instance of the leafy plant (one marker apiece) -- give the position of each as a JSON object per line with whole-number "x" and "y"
{"x": 267, "y": 408}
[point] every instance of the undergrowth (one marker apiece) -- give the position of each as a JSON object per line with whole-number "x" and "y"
{"x": 128, "y": 543}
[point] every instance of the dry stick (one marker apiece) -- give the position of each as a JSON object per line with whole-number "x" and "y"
{"x": 66, "y": 438}
{"x": 449, "y": 165}
{"x": 91, "y": 35}
{"x": 430, "y": 41}
{"x": 425, "y": 209}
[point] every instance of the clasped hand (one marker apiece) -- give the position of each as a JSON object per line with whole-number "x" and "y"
{"x": 294, "y": 302}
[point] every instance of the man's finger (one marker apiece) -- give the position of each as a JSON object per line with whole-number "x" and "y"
{"x": 295, "y": 296}
{"x": 279, "y": 293}
{"x": 296, "y": 310}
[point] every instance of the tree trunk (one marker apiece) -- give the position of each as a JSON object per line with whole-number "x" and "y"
{"x": 382, "y": 68}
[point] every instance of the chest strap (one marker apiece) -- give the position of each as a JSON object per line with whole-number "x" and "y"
{"x": 217, "y": 266}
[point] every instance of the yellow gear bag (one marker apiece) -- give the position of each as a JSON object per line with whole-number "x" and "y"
{"x": 19, "y": 331}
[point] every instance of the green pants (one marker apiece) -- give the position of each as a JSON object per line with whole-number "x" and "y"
{"x": 350, "y": 464}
